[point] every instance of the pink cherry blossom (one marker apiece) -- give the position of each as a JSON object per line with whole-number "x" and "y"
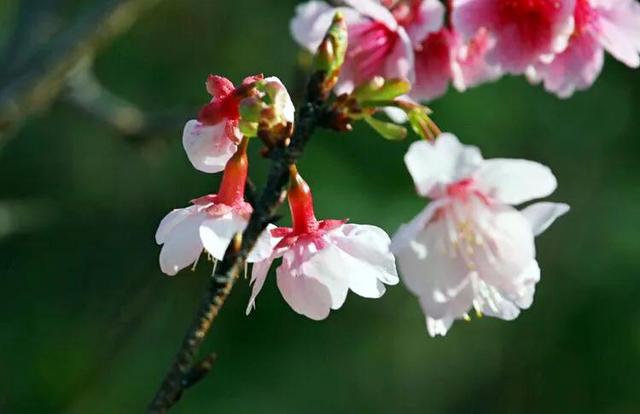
{"x": 378, "y": 44}
{"x": 445, "y": 57}
{"x": 210, "y": 222}
{"x": 525, "y": 31}
{"x": 469, "y": 248}
{"x": 418, "y": 17}
{"x": 323, "y": 260}
{"x": 612, "y": 25}
{"x": 213, "y": 138}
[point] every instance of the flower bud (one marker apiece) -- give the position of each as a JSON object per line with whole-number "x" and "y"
{"x": 331, "y": 52}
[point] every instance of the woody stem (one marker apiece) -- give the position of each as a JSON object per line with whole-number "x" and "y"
{"x": 311, "y": 114}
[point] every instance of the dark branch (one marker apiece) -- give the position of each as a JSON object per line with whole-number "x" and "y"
{"x": 39, "y": 81}
{"x": 311, "y": 114}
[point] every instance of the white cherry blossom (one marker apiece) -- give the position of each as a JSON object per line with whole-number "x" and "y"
{"x": 470, "y": 248}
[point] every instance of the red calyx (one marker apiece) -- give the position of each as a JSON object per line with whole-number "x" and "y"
{"x": 301, "y": 204}
{"x": 234, "y": 179}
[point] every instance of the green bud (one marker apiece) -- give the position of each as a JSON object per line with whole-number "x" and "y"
{"x": 331, "y": 52}
{"x": 386, "y": 129}
{"x": 247, "y": 128}
{"x": 379, "y": 89}
{"x": 251, "y": 109}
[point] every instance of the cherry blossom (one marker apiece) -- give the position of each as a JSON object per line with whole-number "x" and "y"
{"x": 378, "y": 44}
{"x": 323, "y": 259}
{"x": 213, "y": 138}
{"x": 525, "y": 31}
{"x": 210, "y": 222}
{"x": 612, "y": 25}
{"x": 469, "y": 248}
{"x": 444, "y": 57}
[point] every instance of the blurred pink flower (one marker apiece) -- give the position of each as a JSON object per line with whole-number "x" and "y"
{"x": 470, "y": 248}
{"x": 525, "y": 31}
{"x": 444, "y": 56}
{"x": 378, "y": 44}
{"x": 612, "y": 25}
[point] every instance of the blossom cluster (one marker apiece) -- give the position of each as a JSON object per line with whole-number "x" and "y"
{"x": 471, "y": 248}
{"x": 559, "y": 43}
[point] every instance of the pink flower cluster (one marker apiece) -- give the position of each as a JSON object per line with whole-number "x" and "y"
{"x": 560, "y": 43}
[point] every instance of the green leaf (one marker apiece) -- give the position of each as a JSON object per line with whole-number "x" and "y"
{"x": 386, "y": 129}
{"x": 379, "y": 89}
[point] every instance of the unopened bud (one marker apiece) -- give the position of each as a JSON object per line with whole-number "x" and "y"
{"x": 331, "y": 52}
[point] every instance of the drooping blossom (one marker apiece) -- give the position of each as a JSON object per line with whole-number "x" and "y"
{"x": 378, "y": 44}
{"x": 525, "y": 31}
{"x": 323, "y": 259}
{"x": 611, "y": 25}
{"x": 444, "y": 57}
{"x": 470, "y": 248}
{"x": 213, "y": 138}
{"x": 210, "y": 222}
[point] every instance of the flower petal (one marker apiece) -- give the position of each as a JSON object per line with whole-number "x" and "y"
{"x": 182, "y": 245}
{"x": 258, "y": 276}
{"x": 208, "y": 147}
{"x": 374, "y": 10}
{"x": 430, "y": 268}
{"x": 264, "y": 246}
{"x": 440, "y": 163}
{"x": 514, "y": 181}
{"x": 542, "y": 215}
{"x": 306, "y": 295}
{"x": 175, "y": 217}
{"x": 312, "y": 20}
{"x": 216, "y": 232}
{"x": 369, "y": 244}
{"x": 619, "y": 29}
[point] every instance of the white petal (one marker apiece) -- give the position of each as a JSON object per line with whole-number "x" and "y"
{"x": 431, "y": 269}
{"x": 442, "y": 162}
{"x": 258, "y": 276}
{"x": 182, "y": 245}
{"x": 216, "y": 232}
{"x": 207, "y": 146}
{"x": 312, "y": 20}
{"x": 326, "y": 266}
{"x": 542, "y": 215}
{"x": 307, "y": 296}
{"x": 172, "y": 219}
{"x": 532, "y": 275}
{"x": 369, "y": 244}
{"x": 288, "y": 109}
{"x": 408, "y": 232}
{"x": 264, "y": 245}
{"x": 504, "y": 252}
{"x": 456, "y": 308}
{"x": 514, "y": 181}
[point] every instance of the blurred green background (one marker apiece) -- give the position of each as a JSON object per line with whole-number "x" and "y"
{"x": 88, "y": 324}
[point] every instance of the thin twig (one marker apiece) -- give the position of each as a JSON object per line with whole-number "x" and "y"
{"x": 310, "y": 115}
{"x": 42, "y": 78}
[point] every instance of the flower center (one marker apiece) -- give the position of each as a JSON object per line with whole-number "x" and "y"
{"x": 533, "y": 18}
{"x": 369, "y": 44}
